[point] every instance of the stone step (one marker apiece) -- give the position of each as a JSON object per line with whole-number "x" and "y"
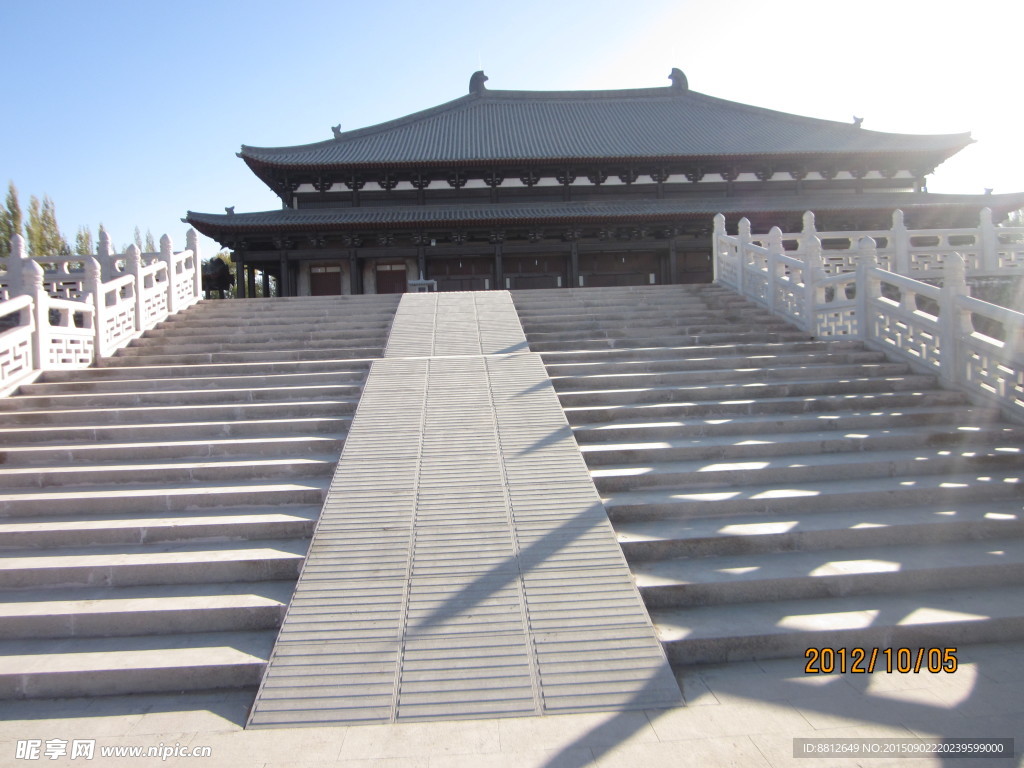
{"x": 600, "y": 321}
{"x": 185, "y": 381}
{"x": 781, "y": 531}
{"x": 202, "y": 327}
{"x": 85, "y": 376}
{"x": 122, "y": 665}
{"x": 190, "y": 470}
{"x": 273, "y": 353}
{"x": 148, "y": 499}
{"x": 732, "y": 391}
{"x": 89, "y": 452}
{"x": 795, "y": 498}
{"x": 672, "y": 364}
{"x": 940, "y": 618}
{"x": 103, "y": 528}
{"x": 154, "y": 563}
{"x": 697, "y": 353}
{"x": 747, "y": 430}
{"x": 178, "y": 430}
{"x": 666, "y": 332}
{"x": 885, "y": 437}
{"x": 644, "y": 316}
{"x": 781, "y": 400}
{"x": 256, "y": 392}
{"x": 150, "y": 414}
{"x": 178, "y": 345}
{"x": 143, "y": 610}
{"x": 752, "y": 373}
{"x": 744, "y": 336}
{"x": 755, "y": 577}
{"x": 804, "y": 468}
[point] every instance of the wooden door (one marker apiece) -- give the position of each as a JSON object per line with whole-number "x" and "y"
{"x": 325, "y": 280}
{"x": 391, "y": 278}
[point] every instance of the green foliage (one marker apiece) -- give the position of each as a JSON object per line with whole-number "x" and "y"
{"x": 10, "y": 220}
{"x": 43, "y": 234}
{"x": 83, "y": 242}
{"x": 150, "y": 243}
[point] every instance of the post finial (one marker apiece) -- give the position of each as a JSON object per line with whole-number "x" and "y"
{"x": 809, "y": 225}
{"x": 18, "y": 247}
{"x": 867, "y": 251}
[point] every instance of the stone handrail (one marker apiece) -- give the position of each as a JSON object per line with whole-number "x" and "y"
{"x": 65, "y": 313}
{"x": 989, "y": 250}
{"x": 968, "y": 343}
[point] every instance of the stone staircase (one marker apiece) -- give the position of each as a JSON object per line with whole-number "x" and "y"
{"x": 774, "y": 493}
{"x": 155, "y": 511}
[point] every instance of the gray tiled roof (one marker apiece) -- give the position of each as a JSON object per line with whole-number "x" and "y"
{"x": 506, "y": 126}
{"x": 510, "y": 214}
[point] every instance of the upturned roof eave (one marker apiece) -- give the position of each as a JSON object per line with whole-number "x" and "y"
{"x": 209, "y": 224}
{"x": 258, "y": 165}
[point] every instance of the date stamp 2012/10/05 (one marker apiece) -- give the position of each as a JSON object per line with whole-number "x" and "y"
{"x": 827, "y": 660}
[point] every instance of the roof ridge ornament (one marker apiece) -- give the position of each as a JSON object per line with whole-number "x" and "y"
{"x": 679, "y": 82}
{"x": 476, "y": 83}
{"x": 336, "y": 130}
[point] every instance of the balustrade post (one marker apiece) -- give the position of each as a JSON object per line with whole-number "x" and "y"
{"x": 105, "y": 255}
{"x": 16, "y": 267}
{"x": 32, "y": 285}
{"x": 989, "y": 261}
{"x": 899, "y": 239}
{"x": 716, "y": 245}
{"x": 814, "y": 272}
{"x": 775, "y": 269}
{"x": 134, "y": 264}
{"x": 167, "y": 257}
{"x": 954, "y": 323}
{"x": 192, "y": 244}
{"x": 867, "y": 259}
{"x": 94, "y": 290}
{"x": 744, "y": 237}
{"x": 808, "y": 232}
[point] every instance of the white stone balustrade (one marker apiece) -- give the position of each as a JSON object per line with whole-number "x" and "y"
{"x": 64, "y": 313}
{"x": 968, "y": 343}
{"x": 990, "y": 251}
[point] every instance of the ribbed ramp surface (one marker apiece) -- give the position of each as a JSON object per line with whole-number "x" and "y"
{"x": 463, "y": 565}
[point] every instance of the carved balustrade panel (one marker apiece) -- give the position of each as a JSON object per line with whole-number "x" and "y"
{"x": 989, "y": 368}
{"x": 15, "y": 354}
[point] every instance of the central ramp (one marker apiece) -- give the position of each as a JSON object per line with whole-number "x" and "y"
{"x": 463, "y": 565}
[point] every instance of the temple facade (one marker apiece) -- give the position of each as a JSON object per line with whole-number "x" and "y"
{"x": 539, "y": 189}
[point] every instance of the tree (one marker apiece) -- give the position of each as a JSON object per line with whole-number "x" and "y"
{"x": 43, "y": 234}
{"x": 83, "y": 242}
{"x": 150, "y": 243}
{"x": 137, "y": 238}
{"x": 10, "y": 220}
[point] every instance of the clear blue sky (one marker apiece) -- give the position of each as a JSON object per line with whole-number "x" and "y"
{"x": 130, "y": 112}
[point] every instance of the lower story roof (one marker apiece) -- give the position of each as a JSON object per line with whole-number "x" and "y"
{"x": 412, "y": 217}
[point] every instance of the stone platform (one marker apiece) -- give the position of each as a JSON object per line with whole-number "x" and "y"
{"x": 463, "y": 565}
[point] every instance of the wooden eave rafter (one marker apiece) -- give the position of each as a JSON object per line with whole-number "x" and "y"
{"x": 918, "y": 163}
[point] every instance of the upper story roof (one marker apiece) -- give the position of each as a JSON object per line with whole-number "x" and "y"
{"x": 504, "y": 127}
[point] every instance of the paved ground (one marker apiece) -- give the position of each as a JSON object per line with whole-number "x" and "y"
{"x": 745, "y": 714}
